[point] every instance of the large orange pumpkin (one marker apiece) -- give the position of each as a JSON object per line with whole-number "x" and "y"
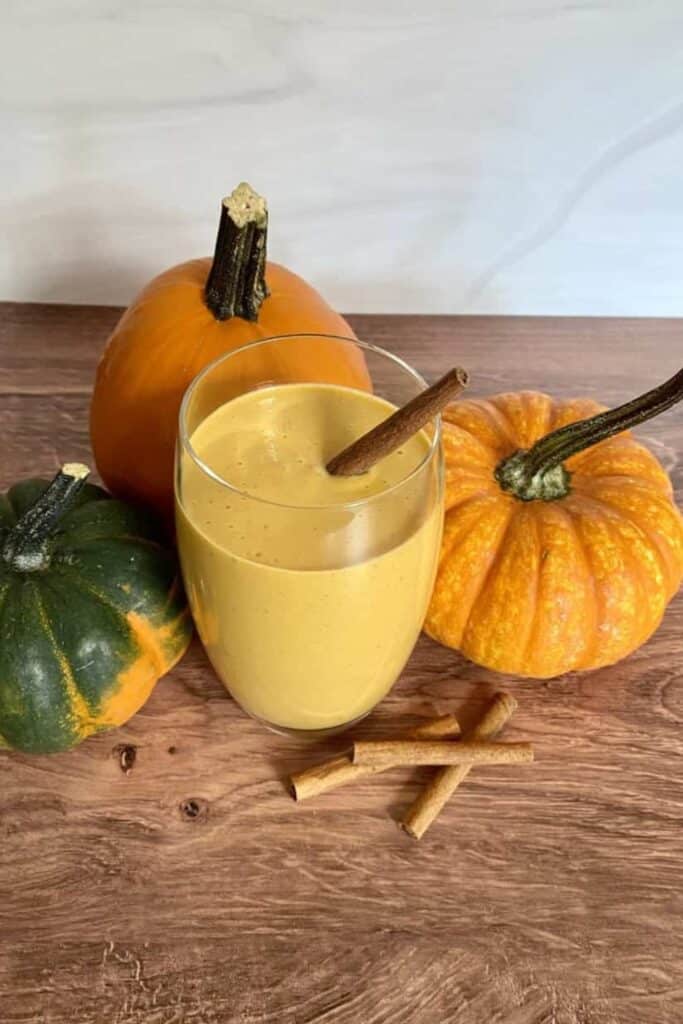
{"x": 183, "y": 320}
{"x": 562, "y": 543}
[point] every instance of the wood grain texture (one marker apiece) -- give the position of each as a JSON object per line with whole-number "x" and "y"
{"x": 191, "y": 888}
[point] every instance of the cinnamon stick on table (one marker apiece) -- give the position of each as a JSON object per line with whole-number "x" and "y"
{"x": 441, "y": 787}
{"x": 340, "y": 770}
{"x": 408, "y": 752}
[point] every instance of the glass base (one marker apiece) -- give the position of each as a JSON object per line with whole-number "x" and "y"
{"x": 307, "y": 734}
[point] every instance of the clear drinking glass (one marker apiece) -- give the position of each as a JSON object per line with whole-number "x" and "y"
{"x": 309, "y": 630}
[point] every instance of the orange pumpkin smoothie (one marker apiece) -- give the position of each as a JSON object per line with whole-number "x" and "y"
{"x": 308, "y": 590}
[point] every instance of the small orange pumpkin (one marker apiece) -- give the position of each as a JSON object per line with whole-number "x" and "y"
{"x": 562, "y": 543}
{"x": 183, "y": 320}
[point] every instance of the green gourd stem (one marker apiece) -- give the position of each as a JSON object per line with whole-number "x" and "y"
{"x": 236, "y": 285}
{"x": 539, "y": 473}
{"x": 26, "y": 544}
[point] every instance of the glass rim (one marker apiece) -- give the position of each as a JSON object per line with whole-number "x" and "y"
{"x": 185, "y": 442}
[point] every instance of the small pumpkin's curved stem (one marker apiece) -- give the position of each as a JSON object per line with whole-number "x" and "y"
{"x": 539, "y": 473}
{"x": 236, "y": 285}
{"x": 25, "y": 545}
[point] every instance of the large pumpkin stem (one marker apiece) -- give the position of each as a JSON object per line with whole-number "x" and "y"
{"x": 26, "y": 545}
{"x": 539, "y": 473}
{"x": 236, "y": 285}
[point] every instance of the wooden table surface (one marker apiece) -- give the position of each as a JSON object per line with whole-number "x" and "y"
{"x": 194, "y": 890}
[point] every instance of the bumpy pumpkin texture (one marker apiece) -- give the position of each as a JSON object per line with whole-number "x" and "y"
{"x": 92, "y": 613}
{"x": 183, "y": 320}
{"x": 541, "y": 587}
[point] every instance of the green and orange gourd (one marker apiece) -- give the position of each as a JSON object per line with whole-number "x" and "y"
{"x": 92, "y": 611}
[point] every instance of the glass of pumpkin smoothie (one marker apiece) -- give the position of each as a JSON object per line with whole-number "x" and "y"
{"x": 308, "y": 590}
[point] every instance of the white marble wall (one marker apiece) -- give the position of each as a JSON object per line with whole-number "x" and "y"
{"x": 518, "y": 156}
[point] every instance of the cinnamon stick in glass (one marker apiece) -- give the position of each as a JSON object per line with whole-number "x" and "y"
{"x": 443, "y": 785}
{"x": 392, "y": 432}
{"x": 385, "y": 753}
{"x": 340, "y": 770}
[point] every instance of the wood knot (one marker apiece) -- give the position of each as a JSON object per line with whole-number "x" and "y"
{"x": 125, "y": 754}
{"x": 194, "y": 808}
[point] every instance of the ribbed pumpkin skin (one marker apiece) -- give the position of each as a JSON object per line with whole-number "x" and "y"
{"x": 83, "y": 642}
{"x": 545, "y": 587}
{"x": 164, "y": 339}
